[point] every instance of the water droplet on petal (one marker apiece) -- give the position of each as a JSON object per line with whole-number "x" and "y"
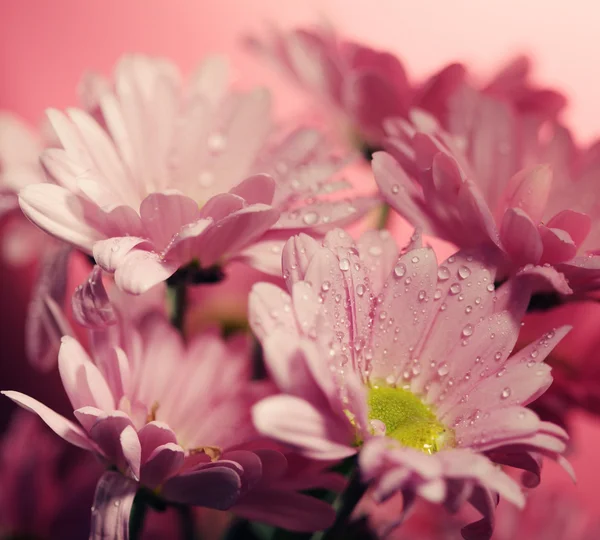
{"x": 443, "y": 273}
{"x": 360, "y": 290}
{"x": 455, "y": 288}
{"x": 505, "y": 394}
{"x": 443, "y": 370}
{"x": 415, "y": 259}
{"x": 395, "y": 189}
{"x": 464, "y": 272}
{"x": 344, "y": 264}
{"x": 490, "y": 287}
{"x": 326, "y": 286}
{"x": 399, "y": 270}
{"x": 310, "y": 218}
{"x": 467, "y": 330}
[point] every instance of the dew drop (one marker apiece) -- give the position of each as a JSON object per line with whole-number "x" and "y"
{"x": 422, "y": 296}
{"x": 415, "y": 259}
{"x": 443, "y": 273}
{"x": 464, "y": 272}
{"x": 395, "y": 189}
{"x": 505, "y": 394}
{"x": 490, "y": 287}
{"x": 326, "y": 286}
{"x": 360, "y": 290}
{"x": 399, "y": 270}
{"x": 455, "y": 288}
{"x": 443, "y": 370}
{"x": 344, "y": 264}
{"x": 467, "y": 330}
{"x": 310, "y": 218}
{"x": 468, "y": 309}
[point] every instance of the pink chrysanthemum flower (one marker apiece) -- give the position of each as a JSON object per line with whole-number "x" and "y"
{"x": 169, "y": 418}
{"x": 518, "y": 218}
{"x": 408, "y": 361}
{"x": 180, "y": 174}
{"x": 356, "y": 85}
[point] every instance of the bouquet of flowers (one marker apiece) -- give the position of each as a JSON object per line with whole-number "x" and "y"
{"x": 346, "y": 324}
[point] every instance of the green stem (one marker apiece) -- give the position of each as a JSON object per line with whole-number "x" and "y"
{"x": 188, "y": 523}
{"x": 138, "y": 514}
{"x": 384, "y": 216}
{"x": 346, "y": 504}
{"x": 179, "y": 304}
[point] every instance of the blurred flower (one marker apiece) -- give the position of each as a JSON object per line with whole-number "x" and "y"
{"x": 183, "y": 175}
{"x": 409, "y": 361}
{"x": 549, "y": 515}
{"x": 46, "y": 489}
{"x": 20, "y": 166}
{"x": 430, "y": 183}
{"x": 356, "y": 85}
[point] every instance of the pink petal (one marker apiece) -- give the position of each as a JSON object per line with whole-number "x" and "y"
{"x": 141, "y": 270}
{"x": 302, "y": 426}
{"x": 64, "y": 428}
{"x": 131, "y": 450}
{"x": 88, "y": 416}
{"x": 82, "y": 380}
{"x": 297, "y": 254}
{"x": 233, "y": 233}
{"x": 106, "y": 433}
{"x": 270, "y": 308}
{"x": 379, "y": 253}
{"x": 221, "y": 205}
{"x": 91, "y": 305}
{"x": 153, "y": 435}
{"x": 112, "y": 507}
{"x": 251, "y": 465}
{"x": 264, "y": 255}
{"x": 214, "y": 486}
{"x": 558, "y": 245}
{"x": 46, "y": 323}
{"x": 520, "y": 237}
{"x": 576, "y": 224}
{"x": 109, "y": 254}
{"x": 164, "y": 462}
{"x": 258, "y": 189}
{"x": 288, "y": 510}
{"x": 60, "y": 213}
{"x": 528, "y": 190}
{"x": 164, "y": 214}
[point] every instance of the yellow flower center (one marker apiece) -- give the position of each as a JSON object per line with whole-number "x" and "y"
{"x": 407, "y": 419}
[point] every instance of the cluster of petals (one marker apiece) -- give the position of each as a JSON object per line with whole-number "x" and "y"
{"x": 521, "y": 219}
{"x": 172, "y": 418}
{"x": 161, "y": 174}
{"x": 359, "y": 315}
{"x": 550, "y": 514}
{"x": 362, "y": 85}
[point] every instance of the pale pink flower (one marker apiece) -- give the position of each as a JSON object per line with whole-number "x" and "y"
{"x": 170, "y": 417}
{"x": 47, "y": 487}
{"x": 183, "y": 173}
{"x": 365, "y": 337}
{"x": 356, "y": 86}
{"x": 515, "y": 216}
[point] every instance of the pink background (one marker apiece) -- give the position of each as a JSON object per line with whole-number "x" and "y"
{"x": 46, "y": 46}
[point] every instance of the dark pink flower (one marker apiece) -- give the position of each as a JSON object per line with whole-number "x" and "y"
{"x": 409, "y": 362}
{"x": 523, "y": 220}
